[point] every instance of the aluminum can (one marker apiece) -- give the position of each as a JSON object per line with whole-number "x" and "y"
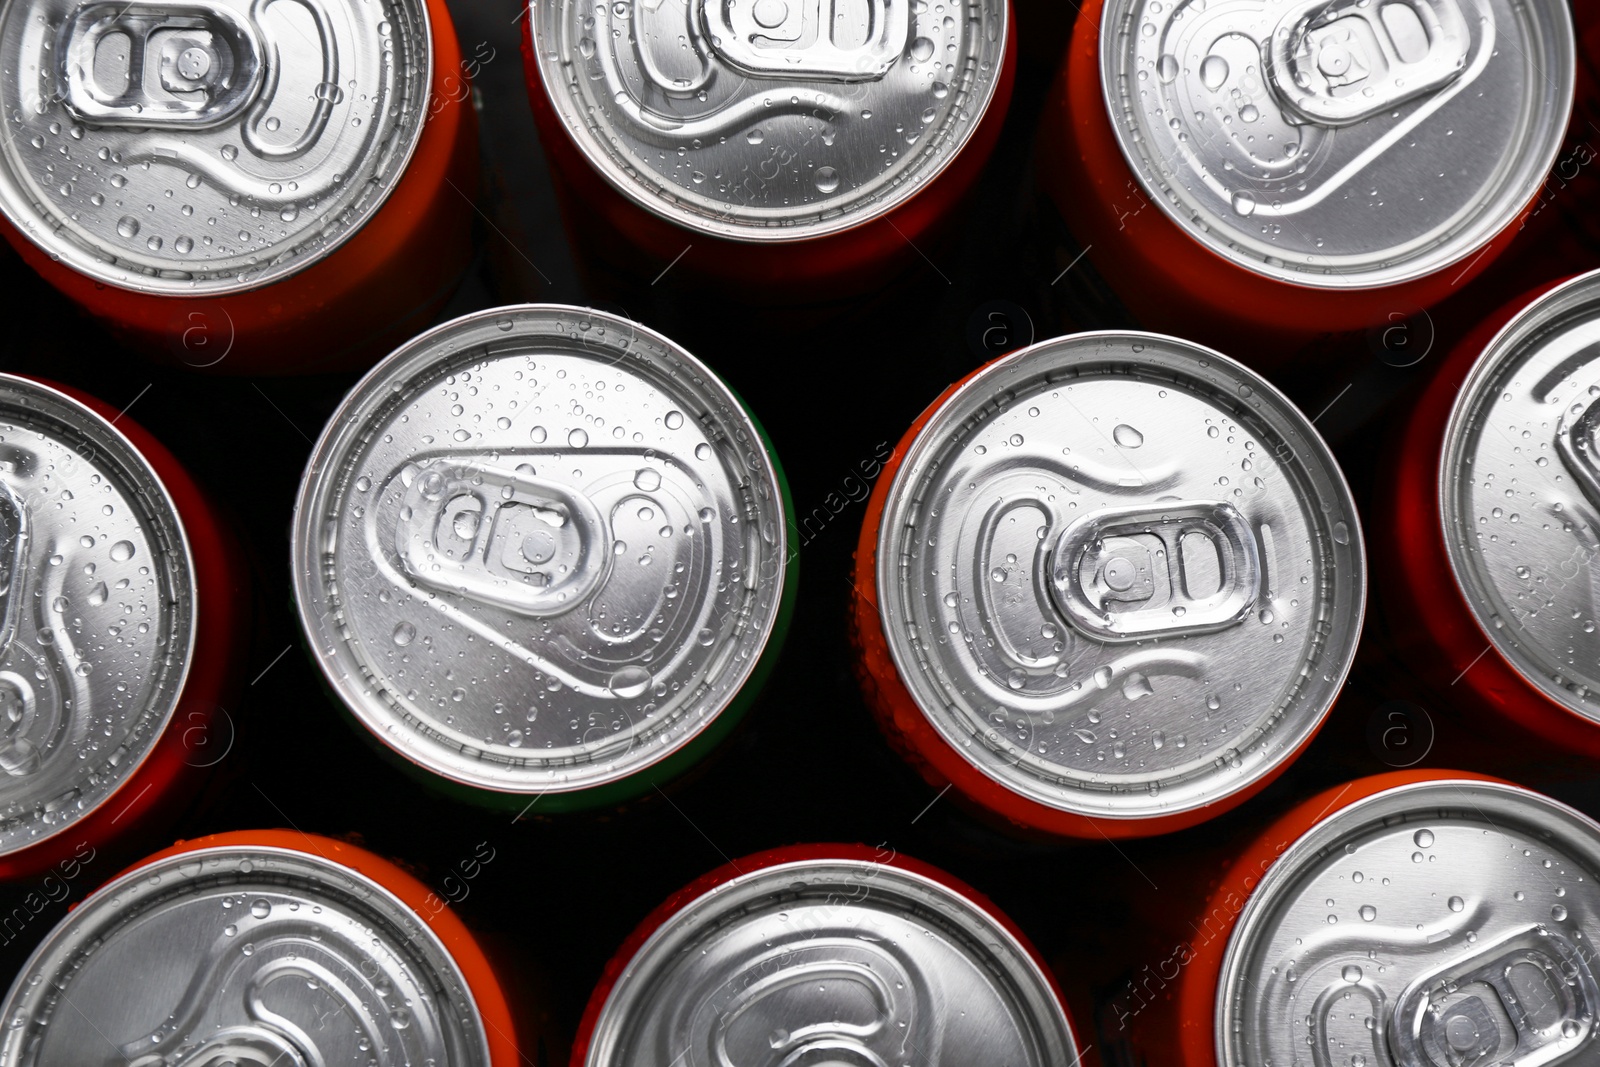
{"x": 1417, "y": 917}
{"x": 250, "y": 187}
{"x": 541, "y": 553}
{"x": 260, "y": 947}
{"x": 773, "y": 146}
{"x": 1490, "y": 573}
{"x": 121, "y": 612}
{"x": 825, "y": 954}
{"x": 1108, "y": 585}
{"x": 1258, "y": 174}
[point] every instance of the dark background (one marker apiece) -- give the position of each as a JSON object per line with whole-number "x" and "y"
{"x": 832, "y": 387}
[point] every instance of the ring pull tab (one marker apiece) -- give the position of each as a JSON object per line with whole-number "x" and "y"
{"x": 1575, "y": 442}
{"x": 1162, "y": 570}
{"x": 13, "y": 553}
{"x": 157, "y": 65}
{"x": 501, "y": 537}
{"x": 800, "y": 38}
{"x": 1337, "y": 62}
{"x": 1523, "y": 1001}
{"x": 327, "y": 92}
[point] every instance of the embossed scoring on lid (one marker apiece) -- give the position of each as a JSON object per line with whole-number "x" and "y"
{"x": 1436, "y": 924}
{"x": 1339, "y": 143}
{"x": 96, "y": 611}
{"x": 770, "y": 119}
{"x": 1121, "y": 575}
{"x": 242, "y": 955}
{"x": 1520, "y": 494}
{"x": 205, "y": 146}
{"x": 539, "y": 549}
{"x": 831, "y": 962}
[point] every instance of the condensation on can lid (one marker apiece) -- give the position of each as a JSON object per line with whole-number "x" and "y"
{"x": 1436, "y": 923}
{"x": 831, "y": 961}
{"x": 1343, "y": 144}
{"x": 1519, "y": 484}
{"x": 204, "y": 147}
{"x": 97, "y": 611}
{"x": 242, "y": 953}
{"x": 773, "y": 120}
{"x": 539, "y": 549}
{"x": 1121, "y": 575}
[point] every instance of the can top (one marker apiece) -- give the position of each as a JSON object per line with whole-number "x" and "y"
{"x": 1436, "y": 923}
{"x": 831, "y": 961}
{"x": 773, "y": 120}
{"x": 97, "y": 611}
{"x": 1343, "y": 144}
{"x": 202, "y": 147}
{"x": 539, "y": 549}
{"x": 1519, "y": 488}
{"x": 238, "y": 953}
{"x": 1121, "y": 575}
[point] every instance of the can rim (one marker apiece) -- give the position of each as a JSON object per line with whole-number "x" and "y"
{"x": 1367, "y": 280}
{"x": 163, "y": 497}
{"x": 99, "y": 271}
{"x": 892, "y": 523}
{"x": 321, "y": 865}
{"x": 781, "y": 235}
{"x": 1551, "y": 817}
{"x": 345, "y": 424}
{"x": 673, "y": 919}
{"x": 1487, "y": 365}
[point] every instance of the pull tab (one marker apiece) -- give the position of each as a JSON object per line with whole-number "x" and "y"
{"x": 13, "y": 552}
{"x": 1525, "y": 1000}
{"x": 501, "y": 537}
{"x": 1337, "y": 62}
{"x": 1575, "y": 441}
{"x": 1187, "y": 567}
{"x": 799, "y": 38}
{"x": 148, "y": 65}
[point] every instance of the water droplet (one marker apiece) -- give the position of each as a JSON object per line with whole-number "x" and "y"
{"x": 230, "y": 152}
{"x": 404, "y": 634}
{"x": 1213, "y": 72}
{"x": 755, "y": 136}
{"x": 261, "y": 909}
{"x": 1368, "y": 912}
{"x": 1243, "y": 203}
{"x": 128, "y": 227}
{"x": 537, "y": 435}
{"x": 1351, "y": 973}
{"x": 673, "y": 419}
{"x": 122, "y": 551}
{"x": 921, "y": 49}
{"x": 1423, "y": 838}
{"x": 577, "y": 439}
{"x": 1136, "y": 685}
{"x": 826, "y": 179}
{"x": 1249, "y": 113}
{"x": 98, "y": 594}
{"x": 630, "y": 682}
{"x": 647, "y": 478}
{"x": 1127, "y": 436}
{"x": 1559, "y": 913}
{"x": 183, "y": 245}
{"x": 154, "y": 244}
{"x": 1341, "y": 533}
{"x": 1102, "y": 677}
{"x": 1167, "y": 67}
{"x": 1456, "y": 903}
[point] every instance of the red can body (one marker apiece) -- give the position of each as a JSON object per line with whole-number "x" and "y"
{"x": 196, "y": 736}
{"x": 508, "y": 1032}
{"x": 1428, "y": 618}
{"x": 1178, "y": 1027}
{"x": 384, "y": 283}
{"x": 919, "y": 742}
{"x": 1168, "y": 280}
{"x": 619, "y": 239}
{"x": 618, "y": 963}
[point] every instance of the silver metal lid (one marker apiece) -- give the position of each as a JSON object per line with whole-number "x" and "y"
{"x": 1339, "y": 143}
{"x": 1520, "y": 494}
{"x": 205, "y": 146}
{"x": 1437, "y": 924}
{"x": 242, "y": 955}
{"x": 771, "y": 120}
{"x": 96, "y": 611}
{"x": 539, "y": 549}
{"x": 1121, "y": 575}
{"x": 841, "y": 962}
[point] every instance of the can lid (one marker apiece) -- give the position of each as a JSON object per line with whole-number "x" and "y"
{"x": 97, "y": 611}
{"x": 539, "y": 549}
{"x": 202, "y": 147}
{"x": 1436, "y": 923}
{"x": 773, "y": 120}
{"x": 1519, "y": 488}
{"x": 248, "y": 955}
{"x": 831, "y": 962}
{"x": 1343, "y": 144}
{"x": 1121, "y": 575}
